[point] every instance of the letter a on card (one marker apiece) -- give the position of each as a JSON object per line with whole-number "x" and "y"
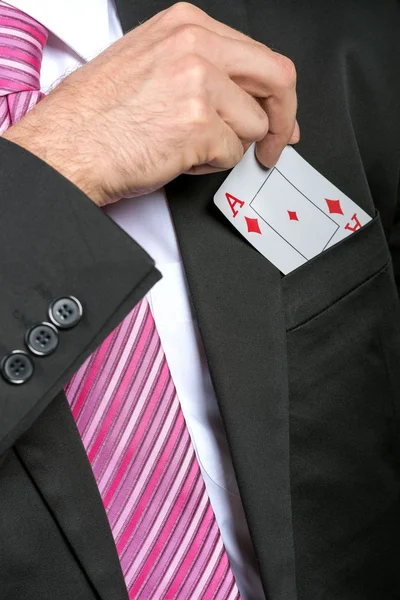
{"x": 232, "y": 201}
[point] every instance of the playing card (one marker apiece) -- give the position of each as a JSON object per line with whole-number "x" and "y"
{"x": 290, "y": 213}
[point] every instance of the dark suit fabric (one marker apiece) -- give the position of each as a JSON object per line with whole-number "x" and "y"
{"x": 306, "y": 367}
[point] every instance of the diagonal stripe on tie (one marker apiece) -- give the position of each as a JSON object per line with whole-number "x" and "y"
{"x": 22, "y": 40}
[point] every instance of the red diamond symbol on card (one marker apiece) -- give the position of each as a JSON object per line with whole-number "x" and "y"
{"x": 252, "y": 225}
{"x": 293, "y": 215}
{"x": 334, "y": 206}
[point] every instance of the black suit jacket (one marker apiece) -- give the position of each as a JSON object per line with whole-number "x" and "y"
{"x": 306, "y": 367}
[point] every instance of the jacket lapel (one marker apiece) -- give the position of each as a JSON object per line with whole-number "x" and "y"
{"x": 53, "y": 454}
{"x": 237, "y": 297}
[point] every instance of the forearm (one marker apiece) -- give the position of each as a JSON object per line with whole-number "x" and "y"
{"x": 51, "y": 133}
{"x": 56, "y": 242}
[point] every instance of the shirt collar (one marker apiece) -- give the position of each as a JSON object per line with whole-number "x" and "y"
{"x": 81, "y": 24}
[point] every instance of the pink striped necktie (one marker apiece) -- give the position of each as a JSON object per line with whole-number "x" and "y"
{"x": 22, "y": 40}
{"x": 128, "y": 414}
{"x": 131, "y": 423}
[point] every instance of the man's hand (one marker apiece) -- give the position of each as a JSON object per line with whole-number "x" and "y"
{"x": 182, "y": 93}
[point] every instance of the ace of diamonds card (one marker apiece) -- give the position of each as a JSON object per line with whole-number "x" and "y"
{"x": 289, "y": 213}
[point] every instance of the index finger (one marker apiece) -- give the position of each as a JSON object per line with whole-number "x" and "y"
{"x": 266, "y": 75}
{"x": 280, "y": 105}
{"x": 280, "y": 102}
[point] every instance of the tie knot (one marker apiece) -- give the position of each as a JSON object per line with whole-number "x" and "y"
{"x": 22, "y": 40}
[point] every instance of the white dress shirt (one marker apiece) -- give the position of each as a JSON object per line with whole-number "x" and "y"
{"x": 79, "y": 30}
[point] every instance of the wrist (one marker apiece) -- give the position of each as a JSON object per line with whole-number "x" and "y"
{"x": 53, "y": 147}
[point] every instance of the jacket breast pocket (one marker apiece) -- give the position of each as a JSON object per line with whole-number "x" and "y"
{"x": 343, "y": 352}
{"x": 342, "y": 319}
{"x": 328, "y": 277}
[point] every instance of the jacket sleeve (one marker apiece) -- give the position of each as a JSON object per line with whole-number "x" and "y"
{"x": 54, "y": 242}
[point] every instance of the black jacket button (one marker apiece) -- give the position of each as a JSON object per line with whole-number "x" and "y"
{"x": 65, "y": 312}
{"x": 17, "y": 367}
{"x": 42, "y": 339}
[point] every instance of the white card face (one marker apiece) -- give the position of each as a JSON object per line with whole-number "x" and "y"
{"x": 295, "y": 217}
{"x": 290, "y": 213}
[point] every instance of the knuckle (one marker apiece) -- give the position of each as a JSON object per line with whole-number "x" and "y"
{"x": 183, "y": 11}
{"x": 186, "y": 36}
{"x": 287, "y": 71}
{"x": 197, "y": 112}
{"x": 195, "y": 72}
